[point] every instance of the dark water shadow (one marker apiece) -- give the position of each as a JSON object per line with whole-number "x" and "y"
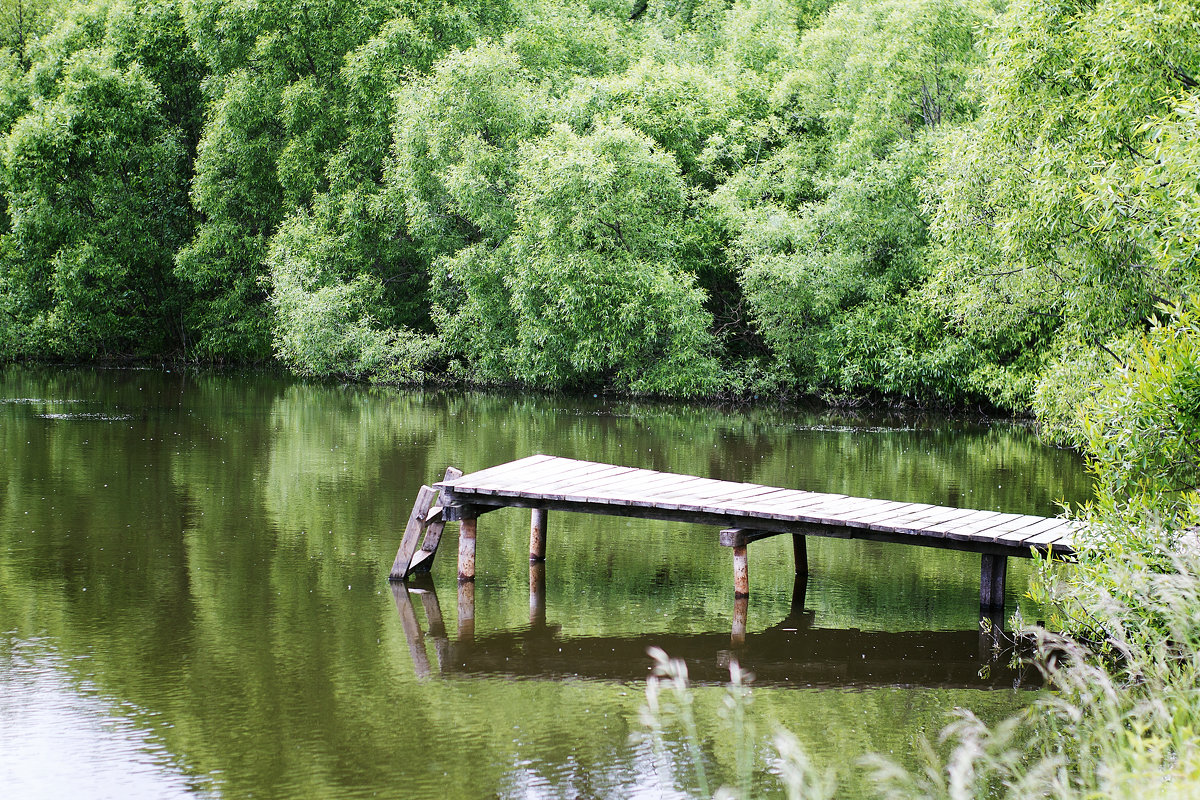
{"x": 792, "y": 652}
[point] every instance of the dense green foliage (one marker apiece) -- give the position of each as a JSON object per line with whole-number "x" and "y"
{"x": 1143, "y": 428}
{"x": 932, "y": 200}
{"x": 1068, "y": 201}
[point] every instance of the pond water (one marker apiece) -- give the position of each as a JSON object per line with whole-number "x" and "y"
{"x": 193, "y": 593}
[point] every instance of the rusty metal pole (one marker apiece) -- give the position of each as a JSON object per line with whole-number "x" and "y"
{"x": 741, "y": 572}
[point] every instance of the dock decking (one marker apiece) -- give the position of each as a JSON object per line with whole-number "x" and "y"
{"x": 746, "y": 512}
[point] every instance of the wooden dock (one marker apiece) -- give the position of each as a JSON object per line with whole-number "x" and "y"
{"x": 745, "y": 512}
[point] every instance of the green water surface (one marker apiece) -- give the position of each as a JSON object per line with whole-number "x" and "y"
{"x": 193, "y": 593}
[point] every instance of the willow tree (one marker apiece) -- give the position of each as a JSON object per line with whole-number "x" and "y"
{"x": 828, "y": 227}
{"x": 95, "y": 175}
{"x": 588, "y": 289}
{"x": 1063, "y": 202}
{"x": 298, "y": 95}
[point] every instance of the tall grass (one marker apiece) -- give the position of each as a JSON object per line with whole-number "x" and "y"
{"x": 669, "y": 704}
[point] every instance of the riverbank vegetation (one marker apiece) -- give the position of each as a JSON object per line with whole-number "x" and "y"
{"x": 1120, "y": 648}
{"x": 933, "y": 201}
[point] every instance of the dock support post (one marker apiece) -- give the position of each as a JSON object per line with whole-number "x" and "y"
{"x": 537, "y": 535}
{"x": 800, "y": 551}
{"x": 741, "y": 572}
{"x": 797, "y": 616}
{"x": 992, "y": 572}
{"x": 466, "y": 550}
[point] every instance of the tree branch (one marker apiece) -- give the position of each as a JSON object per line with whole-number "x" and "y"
{"x": 1184, "y": 78}
{"x": 1115, "y": 357}
{"x": 1129, "y": 146}
{"x": 615, "y": 227}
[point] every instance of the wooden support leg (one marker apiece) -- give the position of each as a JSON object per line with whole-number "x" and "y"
{"x": 800, "y": 550}
{"x": 537, "y": 535}
{"x": 741, "y": 572}
{"x": 992, "y": 573}
{"x": 798, "y": 617}
{"x": 799, "y": 594}
{"x": 741, "y": 608}
{"x": 466, "y": 551}
{"x": 537, "y": 595}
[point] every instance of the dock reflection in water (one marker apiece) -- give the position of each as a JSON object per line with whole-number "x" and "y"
{"x": 793, "y": 652}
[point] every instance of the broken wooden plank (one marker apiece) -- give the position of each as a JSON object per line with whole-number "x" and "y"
{"x": 414, "y": 528}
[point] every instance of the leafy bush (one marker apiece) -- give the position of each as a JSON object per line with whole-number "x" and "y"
{"x": 587, "y": 290}
{"x": 1142, "y": 426}
{"x": 324, "y": 324}
{"x": 456, "y": 137}
{"x": 1069, "y": 198}
{"x": 1074, "y": 373}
